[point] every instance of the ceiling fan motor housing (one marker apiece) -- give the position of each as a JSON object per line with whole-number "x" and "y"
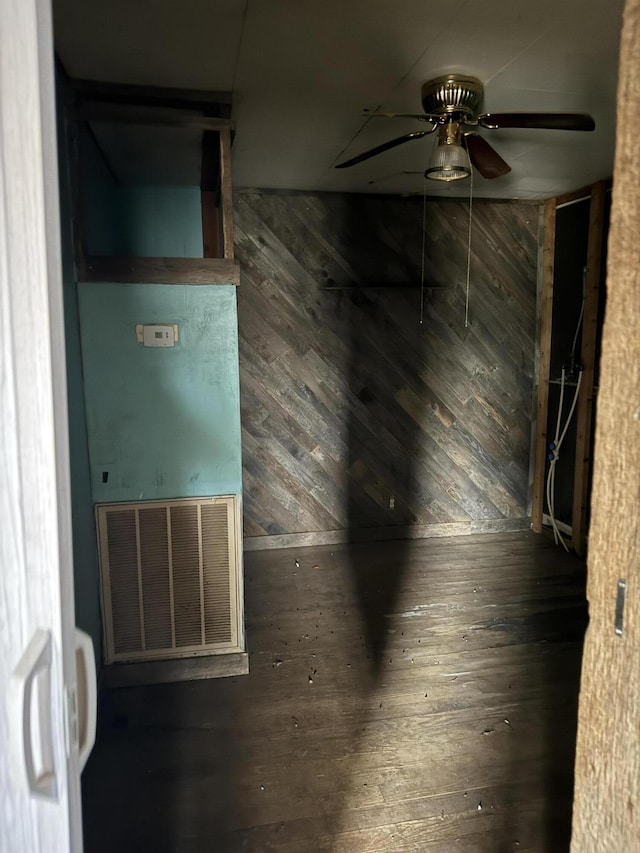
{"x": 451, "y": 94}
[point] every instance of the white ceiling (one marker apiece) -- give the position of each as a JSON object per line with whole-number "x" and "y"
{"x": 303, "y": 71}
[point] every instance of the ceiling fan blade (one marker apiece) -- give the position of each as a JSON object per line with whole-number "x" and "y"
{"x": 400, "y": 140}
{"x": 485, "y": 158}
{"x": 545, "y": 121}
{"x": 394, "y": 175}
{"x": 419, "y": 116}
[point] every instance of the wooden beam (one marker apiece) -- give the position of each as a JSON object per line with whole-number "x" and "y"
{"x": 161, "y": 270}
{"x": 125, "y": 93}
{"x": 226, "y": 190}
{"x": 544, "y": 366}
{"x": 147, "y": 115}
{"x": 588, "y": 358}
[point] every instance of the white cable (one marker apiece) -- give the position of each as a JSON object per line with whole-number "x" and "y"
{"x": 552, "y": 508}
{"x": 571, "y": 410}
{"x": 559, "y": 436}
{"x": 581, "y": 315}
{"x": 560, "y": 405}
{"x": 555, "y": 450}
{"x": 424, "y": 237}
{"x": 551, "y": 485}
{"x": 551, "y": 482}
{"x": 466, "y": 300}
{"x": 551, "y": 477}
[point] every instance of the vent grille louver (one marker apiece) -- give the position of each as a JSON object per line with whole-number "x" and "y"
{"x": 169, "y": 576}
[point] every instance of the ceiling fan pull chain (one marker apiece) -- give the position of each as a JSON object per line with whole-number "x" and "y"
{"x": 424, "y": 235}
{"x": 466, "y": 304}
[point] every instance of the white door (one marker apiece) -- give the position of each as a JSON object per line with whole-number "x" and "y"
{"x": 44, "y": 732}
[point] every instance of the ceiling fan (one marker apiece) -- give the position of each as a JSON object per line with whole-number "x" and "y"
{"x": 451, "y": 106}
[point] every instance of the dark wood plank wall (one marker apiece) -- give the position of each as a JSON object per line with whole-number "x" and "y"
{"x": 355, "y": 415}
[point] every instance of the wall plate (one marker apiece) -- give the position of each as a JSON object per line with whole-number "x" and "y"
{"x": 157, "y": 334}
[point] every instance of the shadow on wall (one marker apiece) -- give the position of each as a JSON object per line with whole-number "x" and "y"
{"x": 438, "y": 432}
{"x": 385, "y": 346}
{"x": 388, "y": 483}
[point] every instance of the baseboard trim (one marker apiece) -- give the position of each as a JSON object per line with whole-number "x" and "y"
{"x": 379, "y": 534}
{"x": 182, "y": 669}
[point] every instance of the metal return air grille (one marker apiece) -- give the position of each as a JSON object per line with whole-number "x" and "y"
{"x": 169, "y": 578}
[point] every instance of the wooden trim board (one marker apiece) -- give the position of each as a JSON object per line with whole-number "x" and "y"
{"x": 159, "y": 96}
{"x": 133, "y": 270}
{"x": 146, "y": 115}
{"x": 379, "y": 534}
{"x": 542, "y": 404}
{"x": 226, "y": 193}
{"x": 165, "y": 671}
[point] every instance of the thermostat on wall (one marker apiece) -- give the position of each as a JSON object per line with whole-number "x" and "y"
{"x": 157, "y": 334}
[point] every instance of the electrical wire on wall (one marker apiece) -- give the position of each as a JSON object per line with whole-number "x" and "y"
{"x": 466, "y": 295}
{"x": 554, "y": 454}
{"x": 424, "y": 243}
{"x": 561, "y": 431}
{"x": 422, "y": 263}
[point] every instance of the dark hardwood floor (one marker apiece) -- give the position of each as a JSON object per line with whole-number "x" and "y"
{"x": 403, "y": 696}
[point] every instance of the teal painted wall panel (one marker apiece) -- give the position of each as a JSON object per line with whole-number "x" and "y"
{"x": 162, "y": 422}
{"x": 145, "y": 221}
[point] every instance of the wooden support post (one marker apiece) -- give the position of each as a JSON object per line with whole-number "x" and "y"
{"x": 227, "y": 200}
{"x": 588, "y": 358}
{"x": 546, "y": 313}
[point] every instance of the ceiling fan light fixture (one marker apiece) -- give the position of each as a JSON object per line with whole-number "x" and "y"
{"x": 450, "y": 160}
{"x": 449, "y": 163}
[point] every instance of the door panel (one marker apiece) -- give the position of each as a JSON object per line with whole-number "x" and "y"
{"x": 36, "y": 587}
{"x": 606, "y": 816}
